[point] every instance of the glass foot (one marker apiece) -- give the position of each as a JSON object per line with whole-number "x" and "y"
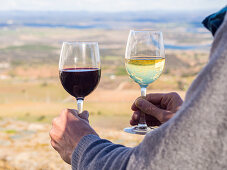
{"x": 139, "y": 130}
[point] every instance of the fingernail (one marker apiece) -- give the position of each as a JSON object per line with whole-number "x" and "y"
{"x": 136, "y": 116}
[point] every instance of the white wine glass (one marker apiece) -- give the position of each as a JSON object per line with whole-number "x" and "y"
{"x": 144, "y": 62}
{"x": 79, "y": 69}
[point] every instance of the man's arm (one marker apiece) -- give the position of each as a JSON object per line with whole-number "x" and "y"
{"x": 93, "y": 152}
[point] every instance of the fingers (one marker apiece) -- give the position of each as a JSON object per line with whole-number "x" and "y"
{"x": 84, "y": 115}
{"x": 159, "y": 99}
{"x": 150, "y": 120}
{"x": 155, "y": 98}
{"x": 149, "y": 108}
{"x": 135, "y": 118}
{"x": 74, "y": 112}
{"x": 133, "y": 107}
{"x": 53, "y": 138}
{"x": 54, "y": 144}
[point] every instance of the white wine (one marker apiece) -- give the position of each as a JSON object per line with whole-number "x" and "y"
{"x": 145, "y": 70}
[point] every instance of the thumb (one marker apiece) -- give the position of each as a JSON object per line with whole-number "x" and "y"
{"x": 84, "y": 115}
{"x": 74, "y": 112}
{"x": 150, "y": 109}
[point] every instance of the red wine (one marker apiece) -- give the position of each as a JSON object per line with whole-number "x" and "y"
{"x": 79, "y": 82}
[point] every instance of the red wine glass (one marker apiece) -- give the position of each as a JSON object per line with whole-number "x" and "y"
{"x": 79, "y": 69}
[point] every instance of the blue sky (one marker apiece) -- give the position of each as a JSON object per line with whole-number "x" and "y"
{"x": 111, "y": 5}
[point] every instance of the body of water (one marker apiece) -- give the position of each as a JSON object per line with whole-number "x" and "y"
{"x": 98, "y": 26}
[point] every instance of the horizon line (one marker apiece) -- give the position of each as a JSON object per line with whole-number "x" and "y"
{"x": 132, "y": 11}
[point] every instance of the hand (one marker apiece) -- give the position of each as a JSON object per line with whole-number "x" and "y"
{"x": 158, "y": 108}
{"x": 67, "y": 130}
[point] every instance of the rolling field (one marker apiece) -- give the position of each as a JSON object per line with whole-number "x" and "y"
{"x": 28, "y": 106}
{"x": 31, "y": 94}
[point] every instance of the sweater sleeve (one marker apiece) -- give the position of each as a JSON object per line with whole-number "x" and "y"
{"x": 92, "y": 152}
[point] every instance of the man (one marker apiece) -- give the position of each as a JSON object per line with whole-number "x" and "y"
{"x": 194, "y": 138}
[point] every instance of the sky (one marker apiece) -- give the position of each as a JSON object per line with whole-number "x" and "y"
{"x": 111, "y": 5}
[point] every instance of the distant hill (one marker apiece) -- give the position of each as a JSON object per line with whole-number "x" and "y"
{"x": 84, "y": 19}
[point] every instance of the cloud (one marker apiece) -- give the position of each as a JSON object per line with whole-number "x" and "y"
{"x": 111, "y": 5}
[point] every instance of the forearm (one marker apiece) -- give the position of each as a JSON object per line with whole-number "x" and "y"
{"x": 93, "y": 152}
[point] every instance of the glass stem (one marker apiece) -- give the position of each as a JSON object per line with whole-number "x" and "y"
{"x": 80, "y": 102}
{"x": 142, "y": 122}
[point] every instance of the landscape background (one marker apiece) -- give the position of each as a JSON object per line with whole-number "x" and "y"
{"x": 31, "y": 94}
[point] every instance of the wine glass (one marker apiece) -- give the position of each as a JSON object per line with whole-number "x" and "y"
{"x": 79, "y": 69}
{"x": 144, "y": 62}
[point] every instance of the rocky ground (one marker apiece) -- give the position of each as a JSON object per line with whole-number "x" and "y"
{"x": 26, "y": 146}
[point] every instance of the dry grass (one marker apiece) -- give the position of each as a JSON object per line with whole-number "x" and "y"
{"x": 33, "y": 95}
